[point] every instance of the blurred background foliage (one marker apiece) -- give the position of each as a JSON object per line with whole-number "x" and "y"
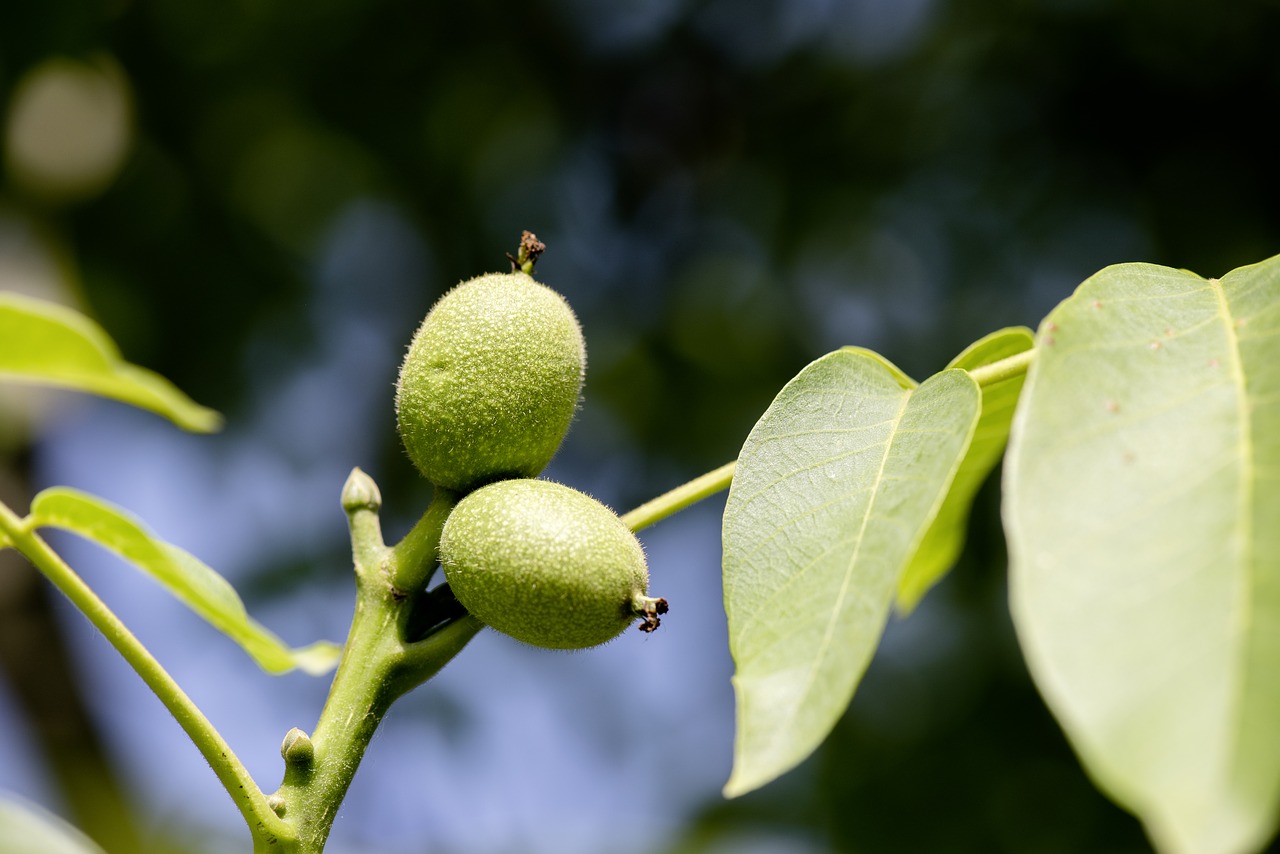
{"x": 260, "y": 200}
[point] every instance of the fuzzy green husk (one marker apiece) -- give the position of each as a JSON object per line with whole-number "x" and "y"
{"x": 543, "y": 563}
{"x": 491, "y": 382}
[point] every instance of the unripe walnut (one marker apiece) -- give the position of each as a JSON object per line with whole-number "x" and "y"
{"x": 546, "y": 564}
{"x": 491, "y": 382}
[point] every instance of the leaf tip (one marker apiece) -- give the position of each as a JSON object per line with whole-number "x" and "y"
{"x": 906, "y": 600}
{"x": 318, "y": 658}
{"x": 737, "y": 787}
{"x": 200, "y": 419}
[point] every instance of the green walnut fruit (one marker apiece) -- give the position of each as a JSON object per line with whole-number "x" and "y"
{"x": 491, "y": 382}
{"x": 547, "y": 565}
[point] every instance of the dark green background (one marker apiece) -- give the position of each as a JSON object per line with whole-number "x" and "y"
{"x": 728, "y": 190}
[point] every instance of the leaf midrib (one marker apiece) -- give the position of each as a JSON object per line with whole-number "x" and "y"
{"x": 829, "y": 631}
{"x": 1244, "y": 503}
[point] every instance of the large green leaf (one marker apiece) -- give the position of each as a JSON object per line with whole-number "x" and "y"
{"x": 189, "y": 580}
{"x": 48, "y": 343}
{"x": 29, "y": 829}
{"x": 1142, "y": 506}
{"x": 942, "y": 545}
{"x": 834, "y": 490}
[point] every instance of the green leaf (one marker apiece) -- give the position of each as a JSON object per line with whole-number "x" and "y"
{"x": 1142, "y": 507}
{"x": 190, "y": 581}
{"x": 44, "y": 342}
{"x": 29, "y": 829}
{"x": 942, "y": 545}
{"x": 834, "y": 490}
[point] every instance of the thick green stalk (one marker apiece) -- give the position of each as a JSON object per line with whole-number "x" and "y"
{"x": 377, "y": 665}
{"x": 373, "y": 674}
{"x": 413, "y": 560}
{"x": 269, "y": 832}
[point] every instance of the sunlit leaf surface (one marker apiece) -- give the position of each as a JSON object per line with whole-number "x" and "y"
{"x": 1142, "y": 505}
{"x": 192, "y": 582}
{"x": 834, "y": 490}
{"x": 43, "y": 342}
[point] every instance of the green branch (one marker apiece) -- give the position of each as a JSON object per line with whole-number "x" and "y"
{"x": 413, "y": 560}
{"x": 266, "y": 826}
{"x": 680, "y": 497}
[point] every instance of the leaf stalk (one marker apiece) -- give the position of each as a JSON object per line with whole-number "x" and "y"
{"x": 681, "y": 497}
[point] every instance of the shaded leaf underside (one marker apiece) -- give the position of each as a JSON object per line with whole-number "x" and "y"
{"x": 944, "y": 541}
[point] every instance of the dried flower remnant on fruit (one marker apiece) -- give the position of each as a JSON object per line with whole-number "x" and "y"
{"x": 526, "y": 257}
{"x": 491, "y": 381}
{"x": 649, "y": 610}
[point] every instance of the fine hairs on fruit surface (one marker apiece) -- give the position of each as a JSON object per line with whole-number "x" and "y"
{"x": 490, "y": 382}
{"x": 547, "y": 565}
